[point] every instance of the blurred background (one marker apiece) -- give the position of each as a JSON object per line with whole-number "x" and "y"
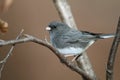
{"x": 31, "y": 61}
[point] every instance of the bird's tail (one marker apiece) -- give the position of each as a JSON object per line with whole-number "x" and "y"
{"x": 103, "y": 36}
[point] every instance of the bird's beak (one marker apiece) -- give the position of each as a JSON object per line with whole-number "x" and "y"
{"x": 48, "y": 28}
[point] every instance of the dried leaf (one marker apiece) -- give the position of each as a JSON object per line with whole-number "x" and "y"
{"x": 3, "y": 26}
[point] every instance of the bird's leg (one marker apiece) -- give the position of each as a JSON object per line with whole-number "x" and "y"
{"x": 68, "y": 55}
{"x": 76, "y": 57}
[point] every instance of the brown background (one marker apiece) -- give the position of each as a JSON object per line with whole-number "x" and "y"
{"x": 31, "y": 61}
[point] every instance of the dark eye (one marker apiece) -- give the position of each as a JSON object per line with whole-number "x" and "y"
{"x": 54, "y": 27}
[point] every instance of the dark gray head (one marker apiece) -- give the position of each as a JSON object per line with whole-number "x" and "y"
{"x": 57, "y": 27}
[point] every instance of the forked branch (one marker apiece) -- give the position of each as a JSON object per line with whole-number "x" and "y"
{"x": 29, "y": 38}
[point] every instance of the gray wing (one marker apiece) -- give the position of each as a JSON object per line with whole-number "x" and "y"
{"x": 77, "y": 36}
{"x": 76, "y": 39}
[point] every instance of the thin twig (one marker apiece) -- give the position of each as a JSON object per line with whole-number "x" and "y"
{"x": 8, "y": 54}
{"x": 112, "y": 55}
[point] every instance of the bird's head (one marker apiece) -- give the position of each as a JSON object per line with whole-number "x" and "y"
{"x": 57, "y": 27}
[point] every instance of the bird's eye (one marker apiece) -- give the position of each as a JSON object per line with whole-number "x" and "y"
{"x": 54, "y": 27}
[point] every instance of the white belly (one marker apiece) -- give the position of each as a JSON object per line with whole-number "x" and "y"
{"x": 71, "y": 51}
{"x": 74, "y": 51}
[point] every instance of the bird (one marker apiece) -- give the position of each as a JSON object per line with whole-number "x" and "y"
{"x": 72, "y": 42}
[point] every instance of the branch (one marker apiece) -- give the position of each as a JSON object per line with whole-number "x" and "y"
{"x": 29, "y": 38}
{"x": 112, "y": 55}
{"x": 8, "y": 54}
{"x": 65, "y": 14}
{"x": 84, "y": 63}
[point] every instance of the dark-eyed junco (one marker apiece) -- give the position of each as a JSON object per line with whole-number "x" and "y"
{"x": 71, "y": 42}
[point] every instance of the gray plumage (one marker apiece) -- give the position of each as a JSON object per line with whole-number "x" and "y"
{"x": 65, "y": 38}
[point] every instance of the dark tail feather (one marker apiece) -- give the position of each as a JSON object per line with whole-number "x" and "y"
{"x": 103, "y": 36}
{"x": 100, "y": 35}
